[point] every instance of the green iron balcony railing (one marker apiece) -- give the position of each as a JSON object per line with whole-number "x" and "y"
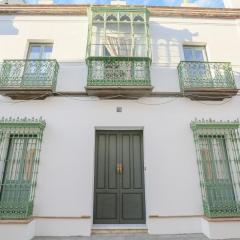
{"x": 205, "y": 75}
{"x": 29, "y": 74}
{"x": 116, "y": 71}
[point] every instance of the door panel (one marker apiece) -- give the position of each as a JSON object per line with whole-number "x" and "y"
{"x": 101, "y": 162}
{"x": 112, "y": 162}
{"x": 119, "y": 178}
{"x": 132, "y": 207}
{"x": 137, "y": 165}
{"x": 126, "y": 161}
{"x": 108, "y": 203}
{"x": 106, "y": 200}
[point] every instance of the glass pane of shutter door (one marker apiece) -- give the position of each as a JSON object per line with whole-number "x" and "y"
{"x": 43, "y": 69}
{"x": 37, "y": 70}
{"x": 46, "y": 52}
{"x": 198, "y": 72}
{"x": 188, "y": 55}
{"x": 34, "y": 52}
{"x": 223, "y": 174}
{"x": 31, "y": 68}
{"x": 199, "y": 55}
{"x": 12, "y": 172}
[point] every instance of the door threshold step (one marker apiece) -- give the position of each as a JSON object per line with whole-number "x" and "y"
{"x": 119, "y": 231}
{"x": 119, "y": 226}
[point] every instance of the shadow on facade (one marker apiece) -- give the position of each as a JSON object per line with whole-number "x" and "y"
{"x": 7, "y": 27}
{"x": 167, "y": 53}
{"x": 167, "y": 42}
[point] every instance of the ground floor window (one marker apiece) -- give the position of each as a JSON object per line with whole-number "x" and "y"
{"x": 20, "y": 143}
{"x": 218, "y": 157}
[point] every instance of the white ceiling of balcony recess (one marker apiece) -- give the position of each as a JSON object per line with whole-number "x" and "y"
{"x": 201, "y": 3}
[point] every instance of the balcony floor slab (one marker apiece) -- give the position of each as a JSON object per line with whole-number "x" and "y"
{"x": 209, "y": 94}
{"x": 26, "y": 94}
{"x": 119, "y": 91}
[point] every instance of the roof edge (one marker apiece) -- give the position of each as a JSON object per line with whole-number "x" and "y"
{"x": 155, "y": 11}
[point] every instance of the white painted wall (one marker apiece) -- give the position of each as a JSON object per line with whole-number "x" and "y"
{"x": 221, "y": 229}
{"x": 168, "y": 36}
{"x": 66, "y": 170}
{"x": 17, "y": 231}
{"x": 65, "y": 180}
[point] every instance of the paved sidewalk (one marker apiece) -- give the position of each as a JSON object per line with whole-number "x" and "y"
{"x": 130, "y": 237}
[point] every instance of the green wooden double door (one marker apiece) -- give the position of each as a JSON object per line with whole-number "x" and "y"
{"x": 119, "y": 178}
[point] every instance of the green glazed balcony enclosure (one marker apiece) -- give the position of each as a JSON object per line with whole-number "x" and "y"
{"x": 20, "y": 145}
{"x": 206, "y": 80}
{"x": 218, "y": 158}
{"x": 28, "y": 79}
{"x": 118, "y": 52}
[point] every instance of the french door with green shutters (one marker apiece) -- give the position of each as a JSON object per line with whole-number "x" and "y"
{"x": 16, "y": 185}
{"x": 119, "y": 178}
{"x": 217, "y": 173}
{"x": 37, "y": 69}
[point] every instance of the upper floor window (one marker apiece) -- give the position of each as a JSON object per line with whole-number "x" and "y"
{"x": 195, "y": 53}
{"x": 118, "y": 32}
{"x": 40, "y": 51}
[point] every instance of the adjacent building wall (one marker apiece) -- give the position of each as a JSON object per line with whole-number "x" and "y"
{"x": 231, "y": 3}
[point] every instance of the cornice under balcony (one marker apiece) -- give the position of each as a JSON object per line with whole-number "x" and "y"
{"x": 155, "y": 11}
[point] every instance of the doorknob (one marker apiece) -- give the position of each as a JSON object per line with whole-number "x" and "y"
{"x": 119, "y": 168}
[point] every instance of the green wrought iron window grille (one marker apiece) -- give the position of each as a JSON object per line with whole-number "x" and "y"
{"x": 29, "y": 74}
{"x": 218, "y": 157}
{"x": 20, "y": 144}
{"x": 118, "y": 48}
{"x": 204, "y": 75}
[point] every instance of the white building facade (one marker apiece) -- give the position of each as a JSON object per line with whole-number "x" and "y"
{"x": 121, "y": 117}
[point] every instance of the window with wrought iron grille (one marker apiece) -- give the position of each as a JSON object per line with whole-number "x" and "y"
{"x": 20, "y": 144}
{"x": 118, "y": 49}
{"x": 218, "y": 158}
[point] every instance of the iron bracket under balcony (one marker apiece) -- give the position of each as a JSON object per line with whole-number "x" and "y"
{"x": 207, "y": 80}
{"x": 28, "y": 79}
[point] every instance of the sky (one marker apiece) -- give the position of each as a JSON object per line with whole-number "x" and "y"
{"x": 202, "y": 3}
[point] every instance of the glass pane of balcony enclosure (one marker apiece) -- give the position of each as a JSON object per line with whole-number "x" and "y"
{"x": 117, "y": 33}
